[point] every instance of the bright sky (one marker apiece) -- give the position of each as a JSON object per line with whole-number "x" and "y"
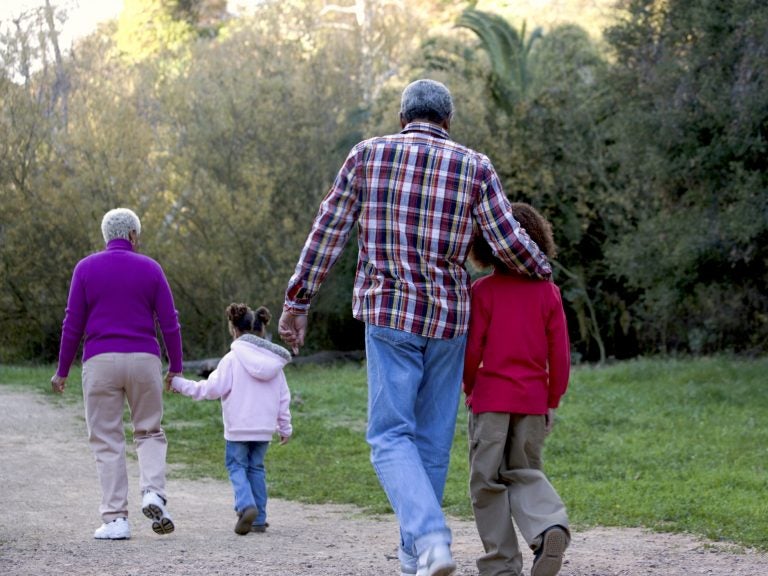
{"x": 83, "y": 15}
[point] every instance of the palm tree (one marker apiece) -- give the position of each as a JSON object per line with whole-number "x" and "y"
{"x": 508, "y": 51}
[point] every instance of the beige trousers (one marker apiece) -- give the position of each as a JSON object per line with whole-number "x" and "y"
{"x": 108, "y": 381}
{"x": 506, "y": 483}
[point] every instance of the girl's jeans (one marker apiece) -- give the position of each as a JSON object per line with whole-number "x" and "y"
{"x": 413, "y": 393}
{"x": 245, "y": 464}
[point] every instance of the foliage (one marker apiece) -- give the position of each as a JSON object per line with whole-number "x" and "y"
{"x": 549, "y": 151}
{"x": 509, "y": 52}
{"x": 670, "y": 445}
{"x": 225, "y": 133}
{"x": 690, "y": 127}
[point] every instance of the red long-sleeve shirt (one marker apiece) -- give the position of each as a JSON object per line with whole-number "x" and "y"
{"x": 518, "y": 354}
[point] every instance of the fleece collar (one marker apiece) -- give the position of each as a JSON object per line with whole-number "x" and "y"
{"x": 266, "y": 345}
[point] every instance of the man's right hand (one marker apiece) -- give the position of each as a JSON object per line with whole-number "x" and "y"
{"x": 292, "y": 328}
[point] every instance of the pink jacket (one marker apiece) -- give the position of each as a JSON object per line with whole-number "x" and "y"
{"x": 518, "y": 355}
{"x": 255, "y": 400}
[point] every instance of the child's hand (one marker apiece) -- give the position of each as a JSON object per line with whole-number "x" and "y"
{"x": 284, "y": 440}
{"x": 549, "y": 419}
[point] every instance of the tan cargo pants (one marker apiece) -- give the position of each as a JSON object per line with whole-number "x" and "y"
{"x": 108, "y": 381}
{"x": 506, "y": 483}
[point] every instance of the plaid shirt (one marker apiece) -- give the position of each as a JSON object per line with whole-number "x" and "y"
{"x": 417, "y": 198}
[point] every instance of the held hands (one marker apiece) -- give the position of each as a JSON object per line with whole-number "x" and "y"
{"x": 169, "y": 379}
{"x": 292, "y": 328}
{"x": 58, "y": 384}
{"x": 284, "y": 440}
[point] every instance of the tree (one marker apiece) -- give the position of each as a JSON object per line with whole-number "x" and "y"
{"x": 549, "y": 152}
{"x": 509, "y": 52}
{"x": 692, "y": 122}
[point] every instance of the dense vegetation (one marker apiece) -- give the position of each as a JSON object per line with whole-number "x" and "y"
{"x": 646, "y": 150}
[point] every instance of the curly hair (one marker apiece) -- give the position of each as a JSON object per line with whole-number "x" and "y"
{"x": 119, "y": 223}
{"x": 244, "y": 319}
{"x": 537, "y": 227}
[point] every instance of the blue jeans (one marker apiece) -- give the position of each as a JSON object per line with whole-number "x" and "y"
{"x": 245, "y": 464}
{"x": 413, "y": 393}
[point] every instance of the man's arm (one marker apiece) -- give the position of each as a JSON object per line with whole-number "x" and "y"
{"x": 511, "y": 244}
{"x": 330, "y": 231}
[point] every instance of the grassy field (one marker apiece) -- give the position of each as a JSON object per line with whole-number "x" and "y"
{"x": 672, "y": 445}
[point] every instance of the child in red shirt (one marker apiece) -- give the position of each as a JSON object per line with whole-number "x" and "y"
{"x": 516, "y": 369}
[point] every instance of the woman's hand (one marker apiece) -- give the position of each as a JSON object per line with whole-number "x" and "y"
{"x": 58, "y": 383}
{"x": 169, "y": 380}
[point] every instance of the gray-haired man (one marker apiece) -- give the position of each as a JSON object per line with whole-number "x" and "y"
{"x": 417, "y": 198}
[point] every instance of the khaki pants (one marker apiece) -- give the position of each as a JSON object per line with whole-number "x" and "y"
{"x": 108, "y": 381}
{"x": 506, "y": 483}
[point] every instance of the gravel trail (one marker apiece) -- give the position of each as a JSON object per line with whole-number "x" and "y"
{"x": 49, "y": 508}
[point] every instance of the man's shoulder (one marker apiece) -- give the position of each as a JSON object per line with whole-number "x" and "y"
{"x": 417, "y": 138}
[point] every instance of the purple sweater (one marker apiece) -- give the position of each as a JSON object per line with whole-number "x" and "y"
{"x": 114, "y": 299}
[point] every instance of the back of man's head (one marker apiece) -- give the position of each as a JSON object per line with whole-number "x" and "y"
{"x": 426, "y": 100}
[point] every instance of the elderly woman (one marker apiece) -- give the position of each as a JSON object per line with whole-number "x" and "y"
{"x": 115, "y": 298}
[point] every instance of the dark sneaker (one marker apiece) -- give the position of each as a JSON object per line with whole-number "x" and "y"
{"x": 245, "y": 520}
{"x": 548, "y": 558}
{"x": 259, "y": 527}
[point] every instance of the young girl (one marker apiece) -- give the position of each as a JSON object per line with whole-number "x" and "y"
{"x": 255, "y": 404}
{"x": 516, "y": 369}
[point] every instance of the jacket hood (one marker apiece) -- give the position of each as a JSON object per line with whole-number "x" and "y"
{"x": 259, "y": 357}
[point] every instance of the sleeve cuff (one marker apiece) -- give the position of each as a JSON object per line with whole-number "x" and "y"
{"x": 296, "y": 308}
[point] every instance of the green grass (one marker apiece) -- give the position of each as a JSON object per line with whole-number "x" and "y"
{"x": 671, "y": 445}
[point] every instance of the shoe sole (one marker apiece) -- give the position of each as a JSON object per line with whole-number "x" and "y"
{"x": 245, "y": 521}
{"x": 440, "y": 570}
{"x": 552, "y": 550}
{"x": 108, "y": 538}
{"x": 161, "y": 524}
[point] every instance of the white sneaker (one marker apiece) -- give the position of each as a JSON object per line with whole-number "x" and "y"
{"x": 408, "y": 563}
{"x": 153, "y": 507}
{"x": 437, "y": 561}
{"x": 118, "y": 529}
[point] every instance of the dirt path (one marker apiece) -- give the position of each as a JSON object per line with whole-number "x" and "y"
{"x": 48, "y": 511}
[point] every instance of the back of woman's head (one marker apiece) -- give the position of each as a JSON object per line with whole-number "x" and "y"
{"x": 119, "y": 223}
{"x": 538, "y": 228}
{"x": 245, "y": 320}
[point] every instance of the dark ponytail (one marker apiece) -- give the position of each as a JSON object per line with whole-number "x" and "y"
{"x": 263, "y": 316}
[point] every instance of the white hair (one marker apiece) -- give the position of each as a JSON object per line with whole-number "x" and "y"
{"x": 119, "y": 223}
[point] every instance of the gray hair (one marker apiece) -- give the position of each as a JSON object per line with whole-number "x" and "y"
{"x": 118, "y": 223}
{"x": 426, "y": 100}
